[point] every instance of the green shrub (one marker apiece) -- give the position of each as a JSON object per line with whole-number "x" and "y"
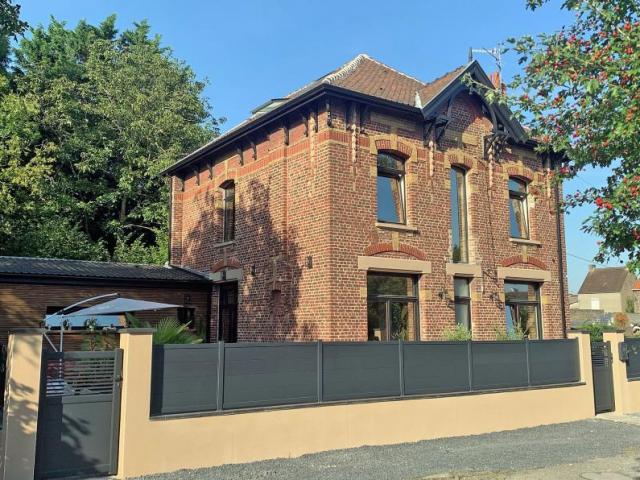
{"x": 458, "y": 334}
{"x": 595, "y": 330}
{"x": 502, "y": 335}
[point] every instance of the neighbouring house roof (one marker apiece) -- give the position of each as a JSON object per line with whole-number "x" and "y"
{"x": 636, "y": 286}
{"x": 604, "y": 280}
{"x": 29, "y": 267}
{"x": 365, "y": 76}
{"x": 573, "y": 298}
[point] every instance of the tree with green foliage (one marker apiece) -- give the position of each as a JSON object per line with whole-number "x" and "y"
{"x": 10, "y": 27}
{"x": 579, "y": 92}
{"x": 92, "y": 116}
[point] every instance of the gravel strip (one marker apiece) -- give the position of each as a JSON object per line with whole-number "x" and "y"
{"x": 495, "y": 452}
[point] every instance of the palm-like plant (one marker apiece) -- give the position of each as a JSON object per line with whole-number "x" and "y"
{"x": 167, "y": 331}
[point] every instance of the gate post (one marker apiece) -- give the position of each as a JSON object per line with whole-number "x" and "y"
{"x": 135, "y": 403}
{"x": 618, "y": 371}
{"x": 21, "y": 404}
{"x": 586, "y": 373}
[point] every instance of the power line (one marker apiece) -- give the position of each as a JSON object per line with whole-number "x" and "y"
{"x": 584, "y": 259}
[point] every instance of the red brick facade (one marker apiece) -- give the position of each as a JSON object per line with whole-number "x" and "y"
{"x": 306, "y": 212}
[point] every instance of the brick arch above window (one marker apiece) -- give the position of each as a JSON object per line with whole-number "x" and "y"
{"x": 516, "y": 259}
{"x": 231, "y": 262}
{"x": 518, "y": 171}
{"x": 228, "y": 179}
{"x": 384, "y": 247}
{"x": 460, "y": 160}
{"x": 390, "y": 143}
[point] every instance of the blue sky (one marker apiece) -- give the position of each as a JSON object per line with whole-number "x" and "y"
{"x": 251, "y": 51}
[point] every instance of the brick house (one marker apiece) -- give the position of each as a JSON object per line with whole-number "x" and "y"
{"x": 371, "y": 205}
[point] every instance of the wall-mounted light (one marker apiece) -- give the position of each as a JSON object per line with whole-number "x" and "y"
{"x": 443, "y": 294}
{"x": 253, "y": 270}
{"x": 187, "y": 298}
{"x": 309, "y": 262}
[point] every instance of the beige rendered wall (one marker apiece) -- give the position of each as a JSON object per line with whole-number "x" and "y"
{"x": 626, "y": 393}
{"x": 609, "y": 302}
{"x": 21, "y": 399}
{"x": 161, "y": 445}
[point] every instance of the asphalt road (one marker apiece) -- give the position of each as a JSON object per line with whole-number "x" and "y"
{"x": 461, "y": 457}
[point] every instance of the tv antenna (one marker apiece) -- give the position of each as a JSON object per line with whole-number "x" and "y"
{"x": 495, "y": 52}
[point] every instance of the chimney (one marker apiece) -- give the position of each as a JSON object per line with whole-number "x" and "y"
{"x": 496, "y": 80}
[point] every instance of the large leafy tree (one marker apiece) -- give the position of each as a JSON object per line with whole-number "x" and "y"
{"x": 105, "y": 112}
{"x": 579, "y": 91}
{"x": 10, "y": 27}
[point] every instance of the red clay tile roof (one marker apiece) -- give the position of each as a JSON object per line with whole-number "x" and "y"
{"x": 364, "y": 75}
{"x": 636, "y": 286}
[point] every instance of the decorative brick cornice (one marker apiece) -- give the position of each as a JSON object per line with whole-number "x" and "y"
{"x": 231, "y": 262}
{"x": 507, "y": 262}
{"x": 385, "y": 247}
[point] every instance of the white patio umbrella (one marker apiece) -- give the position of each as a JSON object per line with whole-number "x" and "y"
{"x": 117, "y": 306}
{"x": 121, "y": 305}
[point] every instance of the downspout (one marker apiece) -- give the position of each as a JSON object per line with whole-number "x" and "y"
{"x": 560, "y": 260}
{"x": 170, "y": 219}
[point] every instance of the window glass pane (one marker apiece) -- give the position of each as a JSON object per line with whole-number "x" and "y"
{"x": 518, "y": 186}
{"x": 463, "y": 314}
{"x": 401, "y": 285}
{"x": 389, "y": 162}
{"x": 458, "y": 202}
{"x": 402, "y": 321}
{"x": 528, "y": 320}
{"x": 521, "y": 292}
{"x": 511, "y": 315}
{"x": 376, "y": 313}
{"x": 390, "y": 199}
{"x": 461, "y": 287}
{"x": 518, "y": 218}
{"x": 229, "y": 213}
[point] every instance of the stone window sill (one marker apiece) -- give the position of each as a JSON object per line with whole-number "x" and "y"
{"x": 525, "y": 241}
{"x": 464, "y": 270}
{"x": 224, "y": 244}
{"x": 396, "y": 226}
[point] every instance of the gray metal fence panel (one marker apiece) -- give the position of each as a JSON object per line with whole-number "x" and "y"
{"x": 633, "y": 364}
{"x": 266, "y": 374}
{"x": 184, "y": 378}
{"x": 435, "y": 367}
{"x": 554, "y": 361}
{"x": 353, "y": 370}
{"x": 498, "y": 365}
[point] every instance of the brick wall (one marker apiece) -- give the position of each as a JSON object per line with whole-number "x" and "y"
{"x": 315, "y": 200}
{"x": 23, "y": 305}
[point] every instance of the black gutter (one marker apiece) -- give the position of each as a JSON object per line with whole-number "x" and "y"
{"x": 102, "y": 281}
{"x": 170, "y": 220}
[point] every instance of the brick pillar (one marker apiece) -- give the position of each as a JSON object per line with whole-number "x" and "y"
{"x": 21, "y": 403}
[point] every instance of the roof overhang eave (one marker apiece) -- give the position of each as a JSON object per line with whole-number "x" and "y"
{"x": 285, "y": 109}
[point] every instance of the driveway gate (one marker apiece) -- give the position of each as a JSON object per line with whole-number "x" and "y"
{"x": 602, "y": 376}
{"x": 79, "y": 414}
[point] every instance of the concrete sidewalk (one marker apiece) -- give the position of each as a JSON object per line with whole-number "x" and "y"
{"x": 604, "y": 448}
